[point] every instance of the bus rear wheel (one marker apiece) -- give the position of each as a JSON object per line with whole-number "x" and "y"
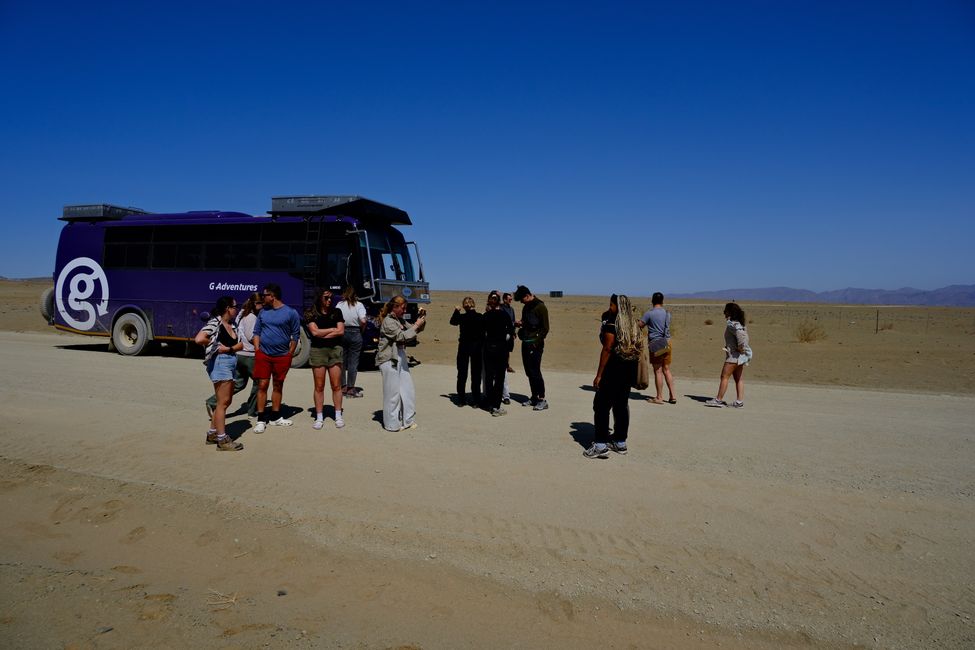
{"x": 302, "y": 350}
{"x": 130, "y": 336}
{"x": 47, "y": 305}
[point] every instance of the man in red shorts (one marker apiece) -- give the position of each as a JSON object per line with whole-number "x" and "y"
{"x": 275, "y": 337}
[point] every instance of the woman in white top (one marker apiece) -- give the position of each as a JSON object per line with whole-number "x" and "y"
{"x": 354, "y": 314}
{"x": 738, "y": 353}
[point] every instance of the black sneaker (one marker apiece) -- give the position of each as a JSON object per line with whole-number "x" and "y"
{"x": 618, "y": 447}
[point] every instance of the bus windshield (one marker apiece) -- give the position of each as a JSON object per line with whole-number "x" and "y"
{"x": 387, "y": 255}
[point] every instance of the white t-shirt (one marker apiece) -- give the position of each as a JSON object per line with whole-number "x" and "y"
{"x": 353, "y": 315}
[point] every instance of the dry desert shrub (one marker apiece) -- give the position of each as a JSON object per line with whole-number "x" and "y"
{"x": 807, "y": 332}
{"x": 886, "y": 326}
{"x": 709, "y": 322}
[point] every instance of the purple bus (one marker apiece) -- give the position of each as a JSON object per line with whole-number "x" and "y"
{"x": 135, "y": 276}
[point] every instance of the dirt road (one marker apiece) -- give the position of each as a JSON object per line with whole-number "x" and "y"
{"x": 813, "y": 517}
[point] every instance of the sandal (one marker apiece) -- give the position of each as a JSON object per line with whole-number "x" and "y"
{"x": 671, "y": 401}
{"x": 655, "y": 401}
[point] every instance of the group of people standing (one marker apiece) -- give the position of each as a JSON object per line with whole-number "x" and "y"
{"x": 486, "y": 341}
{"x": 258, "y": 342}
{"x": 622, "y": 346}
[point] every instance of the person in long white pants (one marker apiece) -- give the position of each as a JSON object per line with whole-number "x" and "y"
{"x": 399, "y": 395}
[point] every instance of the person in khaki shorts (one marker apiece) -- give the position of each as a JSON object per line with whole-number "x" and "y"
{"x": 326, "y": 324}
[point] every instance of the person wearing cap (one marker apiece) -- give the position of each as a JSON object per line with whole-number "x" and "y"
{"x": 499, "y": 331}
{"x": 533, "y": 328}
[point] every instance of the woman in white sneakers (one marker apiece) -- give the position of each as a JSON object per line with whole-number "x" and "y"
{"x": 327, "y": 327}
{"x": 738, "y": 352}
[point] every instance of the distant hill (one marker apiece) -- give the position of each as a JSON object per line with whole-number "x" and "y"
{"x": 957, "y": 295}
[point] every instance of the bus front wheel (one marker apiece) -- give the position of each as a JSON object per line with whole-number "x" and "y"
{"x": 130, "y": 334}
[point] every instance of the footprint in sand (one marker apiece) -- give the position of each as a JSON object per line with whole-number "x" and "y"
{"x": 135, "y": 535}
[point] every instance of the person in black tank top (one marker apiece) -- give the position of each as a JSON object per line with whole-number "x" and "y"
{"x": 222, "y": 343}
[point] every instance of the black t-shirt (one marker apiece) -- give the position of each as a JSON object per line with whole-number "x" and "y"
{"x": 608, "y": 326}
{"x": 498, "y": 329}
{"x": 325, "y": 322}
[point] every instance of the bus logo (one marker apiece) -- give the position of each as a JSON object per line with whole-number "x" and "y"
{"x": 81, "y": 288}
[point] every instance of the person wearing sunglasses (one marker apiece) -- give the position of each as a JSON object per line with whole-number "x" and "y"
{"x": 219, "y": 336}
{"x": 276, "y": 336}
{"x": 326, "y": 324}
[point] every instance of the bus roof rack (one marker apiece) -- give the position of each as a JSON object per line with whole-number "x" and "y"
{"x": 97, "y": 212}
{"x": 347, "y": 206}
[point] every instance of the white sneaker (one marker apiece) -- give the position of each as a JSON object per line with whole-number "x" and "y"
{"x": 281, "y": 422}
{"x": 318, "y": 424}
{"x": 260, "y": 427}
{"x": 339, "y": 422}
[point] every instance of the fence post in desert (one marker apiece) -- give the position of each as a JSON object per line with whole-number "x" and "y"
{"x": 877, "y": 329}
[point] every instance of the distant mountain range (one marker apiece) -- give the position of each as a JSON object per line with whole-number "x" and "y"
{"x": 957, "y": 295}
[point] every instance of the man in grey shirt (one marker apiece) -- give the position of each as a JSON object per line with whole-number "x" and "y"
{"x": 657, "y": 322}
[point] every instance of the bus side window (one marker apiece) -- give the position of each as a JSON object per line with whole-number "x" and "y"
{"x": 127, "y": 247}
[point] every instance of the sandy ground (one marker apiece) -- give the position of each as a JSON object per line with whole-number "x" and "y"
{"x": 822, "y": 517}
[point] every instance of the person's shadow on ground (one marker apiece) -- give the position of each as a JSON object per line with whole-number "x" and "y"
{"x": 698, "y": 398}
{"x": 584, "y": 433}
{"x": 237, "y": 428}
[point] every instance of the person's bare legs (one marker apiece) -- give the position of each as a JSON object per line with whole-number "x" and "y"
{"x": 670, "y": 382}
{"x": 223, "y": 390}
{"x": 726, "y": 372}
{"x": 262, "y": 385}
{"x": 658, "y": 380}
{"x": 277, "y": 390}
{"x": 318, "y": 373}
{"x": 335, "y": 378}
{"x": 739, "y": 372}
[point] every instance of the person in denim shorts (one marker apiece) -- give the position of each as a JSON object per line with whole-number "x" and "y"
{"x": 222, "y": 343}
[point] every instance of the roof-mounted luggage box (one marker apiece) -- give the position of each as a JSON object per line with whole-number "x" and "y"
{"x": 97, "y": 212}
{"x": 340, "y": 206}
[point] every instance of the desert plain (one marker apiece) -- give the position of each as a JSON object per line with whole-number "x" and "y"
{"x": 836, "y": 510}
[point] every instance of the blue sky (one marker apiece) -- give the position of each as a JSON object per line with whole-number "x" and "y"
{"x": 588, "y": 147}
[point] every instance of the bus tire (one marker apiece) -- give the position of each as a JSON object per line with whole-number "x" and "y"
{"x": 303, "y": 351}
{"x": 47, "y": 305}
{"x": 130, "y": 335}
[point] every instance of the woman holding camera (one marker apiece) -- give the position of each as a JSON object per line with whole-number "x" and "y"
{"x": 399, "y": 396}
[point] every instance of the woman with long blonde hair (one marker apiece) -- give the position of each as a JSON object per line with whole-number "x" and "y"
{"x": 399, "y": 395}
{"x": 615, "y": 376}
